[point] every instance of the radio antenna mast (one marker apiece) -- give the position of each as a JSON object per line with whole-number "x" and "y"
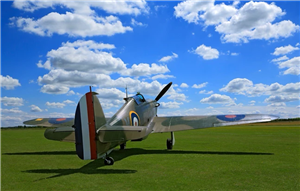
{"x": 126, "y": 91}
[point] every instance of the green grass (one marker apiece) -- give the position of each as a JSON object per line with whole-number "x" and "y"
{"x": 248, "y": 157}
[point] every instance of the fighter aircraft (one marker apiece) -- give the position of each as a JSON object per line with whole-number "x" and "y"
{"x": 96, "y": 136}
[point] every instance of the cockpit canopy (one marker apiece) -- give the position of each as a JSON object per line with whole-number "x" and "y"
{"x": 139, "y": 98}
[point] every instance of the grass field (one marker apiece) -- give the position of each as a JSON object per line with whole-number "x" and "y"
{"x": 249, "y": 157}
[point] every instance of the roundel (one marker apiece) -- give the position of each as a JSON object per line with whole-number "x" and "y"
{"x": 134, "y": 118}
{"x": 231, "y": 117}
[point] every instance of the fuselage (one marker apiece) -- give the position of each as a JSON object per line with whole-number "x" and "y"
{"x": 135, "y": 112}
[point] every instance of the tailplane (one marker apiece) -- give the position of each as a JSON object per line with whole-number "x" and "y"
{"x": 89, "y": 117}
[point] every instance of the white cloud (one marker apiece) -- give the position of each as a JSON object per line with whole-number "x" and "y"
{"x": 198, "y": 86}
{"x": 121, "y": 7}
{"x": 280, "y": 59}
{"x": 234, "y": 54}
{"x": 206, "y": 52}
{"x": 54, "y": 89}
{"x": 281, "y": 98}
{"x": 170, "y": 105}
{"x": 293, "y": 66}
{"x": 205, "y": 92}
{"x": 12, "y": 101}
{"x": 85, "y": 56}
{"x": 217, "y": 99}
{"x": 162, "y": 76}
{"x": 251, "y": 21}
{"x": 34, "y": 108}
{"x": 157, "y": 7}
{"x": 246, "y": 87}
{"x": 184, "y": 85}
{"x": 189, "y": 9}
{"x": 144, "y": 69}
{"x": 68, "y": 102}
{"x": 110, "y": 93}
{"x": 55, "y": 104}
{"x": 168, "y": 58}
{"x": 136, "y": 23}
{"x": 277, "y": 104}
{"x": 82, "y": 21}
{"x": 8, "y": 82}
{"x": 13, "y": 110}
{"x": 252, "y": 102}
{"x": 71, "y": 24}
{"x": 284, "y": 50}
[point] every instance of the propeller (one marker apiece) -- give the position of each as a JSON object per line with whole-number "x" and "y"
{"x": 163, "y": 91}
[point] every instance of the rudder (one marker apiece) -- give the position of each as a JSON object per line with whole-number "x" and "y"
{"x": 89, "y": 117}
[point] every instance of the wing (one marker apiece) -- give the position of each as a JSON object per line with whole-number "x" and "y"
{"x": 180, "y": 123}
{"x": 51, "y": 122}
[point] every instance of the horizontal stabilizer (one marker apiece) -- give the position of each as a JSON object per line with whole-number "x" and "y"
{"x": 66, "y": 134}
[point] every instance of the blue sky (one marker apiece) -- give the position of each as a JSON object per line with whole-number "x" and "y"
{"x": 223, "y": 57}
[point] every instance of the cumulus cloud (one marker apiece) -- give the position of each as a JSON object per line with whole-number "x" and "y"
{"x": 34, "y": 108}
{"x": 136, "y": 23}
{"x": 217, "y": 99}
{"x": 284, "y": 50}
{"x": 205, "y": 92}
{"x": 12, "y": 101}
{"x": 85, "y": 56}
{"x": 82, "y": 21}
{"x": 71, "y": 24}
{"x": 55, "y": 104}
{"x": 281, "y": 98}
{"x": 282, "y": 58}
{"x": 198, "y": 86}
{"x": 184, "y": 85}
{"x": 8, "y": 82}
{"x": 170, "y": 105}
{"x": 54, "y": 89}
{"x": 246, "y": 87}
{"x": 168, "y": 58}
{"x": 13, "y": 110}
{"x": 144, "y": 69}
{"x": 206, "y": 52}
{"x": 162, "y": 76}
{"x": 292, "y": 65}
{"x": 121, "y": 7}
{"x": 254, "y": 20}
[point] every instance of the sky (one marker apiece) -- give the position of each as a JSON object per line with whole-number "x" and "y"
{"x": 231, "y": 57}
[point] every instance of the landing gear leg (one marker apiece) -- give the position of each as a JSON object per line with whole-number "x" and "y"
{"x": 123, "y": 146}
{"x": 108, "y": 160}
{"x": 171, "y": 142}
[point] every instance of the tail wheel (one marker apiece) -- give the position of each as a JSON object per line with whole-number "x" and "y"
{"x": 109, "y": 161}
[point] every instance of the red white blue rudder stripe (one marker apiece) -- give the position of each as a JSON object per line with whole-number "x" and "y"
{"x": 85, "y": 128}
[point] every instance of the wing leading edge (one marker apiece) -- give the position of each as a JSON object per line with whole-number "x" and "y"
{"x": 180, "y": 123}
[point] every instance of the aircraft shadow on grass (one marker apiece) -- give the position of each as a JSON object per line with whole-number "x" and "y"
{"x": 92, "y": 167}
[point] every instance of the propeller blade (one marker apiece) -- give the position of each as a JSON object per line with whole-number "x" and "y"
{"x": 163, "y": 91}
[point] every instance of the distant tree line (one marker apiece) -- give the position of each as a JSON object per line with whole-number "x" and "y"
{"x": 289, "y": 119}
{"x": 23, "y": 127}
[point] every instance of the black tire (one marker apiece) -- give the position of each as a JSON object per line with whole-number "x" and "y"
{"x": 109, "y": 161}
{"x": 123, "y": 146}
{"x": 169, "y": 144}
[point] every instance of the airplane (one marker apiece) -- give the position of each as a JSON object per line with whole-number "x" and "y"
{"x": 96, "y": 136}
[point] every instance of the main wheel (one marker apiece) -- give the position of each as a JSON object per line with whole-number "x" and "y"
{"x": 169, "y": 144}
{"x": 109, "y": 161}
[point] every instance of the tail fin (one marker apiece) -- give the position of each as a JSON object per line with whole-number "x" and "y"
{"x": 89, "y": 117}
